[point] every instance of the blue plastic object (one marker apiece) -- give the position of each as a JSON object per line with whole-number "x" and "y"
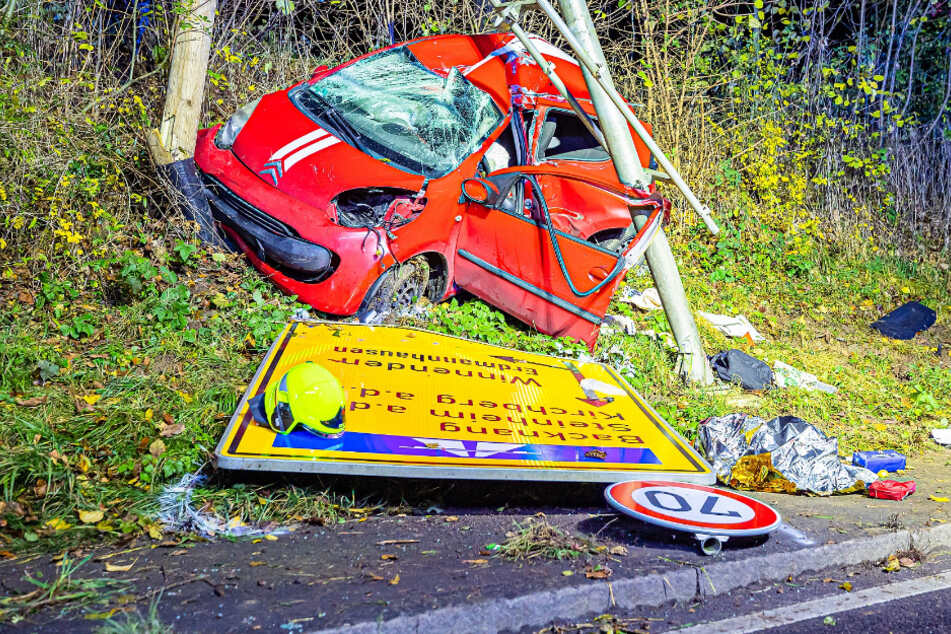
{"x": 889, "y": 460}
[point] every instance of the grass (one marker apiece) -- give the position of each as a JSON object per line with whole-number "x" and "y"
{"x": 65, "y": 592}
{"x": 137, "y": 623}
{"x": 128, "y": 346}
{"x": 96, "y": 420}
{"x": 537, "y": 538}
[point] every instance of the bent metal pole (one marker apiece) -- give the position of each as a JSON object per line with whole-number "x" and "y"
{"x": 692, "y": 360}
{"x": 596, "y": 72}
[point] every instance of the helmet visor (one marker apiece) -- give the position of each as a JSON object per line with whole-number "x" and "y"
{"x": 332, "y": 428}
{"x": 281, "y": 420}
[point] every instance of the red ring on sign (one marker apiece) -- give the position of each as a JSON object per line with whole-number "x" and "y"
{"x": 621, "y": 497}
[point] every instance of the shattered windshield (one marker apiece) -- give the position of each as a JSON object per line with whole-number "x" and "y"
{"x": 396, "y": 109}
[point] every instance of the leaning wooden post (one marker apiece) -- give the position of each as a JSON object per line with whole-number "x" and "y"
{"x": 692, "y": 360}
{"x": 172, "y": 144}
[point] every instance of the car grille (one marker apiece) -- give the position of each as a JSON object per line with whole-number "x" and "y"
{"x": 247, "y": 210}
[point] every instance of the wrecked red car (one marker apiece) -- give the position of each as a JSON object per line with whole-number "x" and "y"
{"x": 444, "y": 163}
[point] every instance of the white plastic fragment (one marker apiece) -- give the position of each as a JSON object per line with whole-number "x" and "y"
{"x": 737, "y": 326}
{"x": 176, "y": 513}
{"x": 647, "y": 300}
{"x": 627, "y": 325}
{"x": 786, "y": 375}
{"x": 942, "y": 436}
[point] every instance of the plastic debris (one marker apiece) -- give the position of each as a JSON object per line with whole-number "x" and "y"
{"x": 891, "y": 489}
{"x": 177, "y": 514}
{"x": 737, "y": 326}
{"x": 647, "y": 300}
{"x": 942, "y": 436}
{"x": 786, "y": 375}
{"x": 906, "y": 321}
{"x": 800, "y": 452}
{"x": 627, "y": 325}
{"x": 735, "y": 366}
{"x": 889, "y": 460}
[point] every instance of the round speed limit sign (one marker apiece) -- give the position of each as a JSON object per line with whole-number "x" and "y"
{"x": 692, "y": 507}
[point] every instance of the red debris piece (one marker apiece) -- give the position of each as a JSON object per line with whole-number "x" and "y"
{"x": 891, "y": 490}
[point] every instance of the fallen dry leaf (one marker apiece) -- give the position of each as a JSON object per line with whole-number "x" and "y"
{"x": 255, "y": 564}
{"x": 119, "y": 567}
{"x": 40, "y": 488}
{"x": 619, "y": 550}
{"x": 6, "y": 554}
{"x": 373, "y": 577}
{"x": 157, "y": 448}
{"x": 475, "y": 562}
{"x": 907, "y": 562}
{"x": 891, "y": 565}
{"x": 30, "y": 402}
{"x": 452, "y": 518}
{"x": 846, "y": 585}
{"x": 395, "y": 580}
{"x": 171, "y": 430}
{"x": 388, "y": 557}
{"x": 90, "y": 517}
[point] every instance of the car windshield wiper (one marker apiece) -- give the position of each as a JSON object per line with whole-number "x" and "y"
{"x": 339, "y": 123}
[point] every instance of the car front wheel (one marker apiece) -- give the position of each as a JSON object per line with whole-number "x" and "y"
{"x": 397, "y": 289}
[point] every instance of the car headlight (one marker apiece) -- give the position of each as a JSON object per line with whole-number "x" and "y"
{"x": 229, "y": 131}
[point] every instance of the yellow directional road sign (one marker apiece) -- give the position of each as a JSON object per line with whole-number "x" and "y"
{"x": 421, "y": 404}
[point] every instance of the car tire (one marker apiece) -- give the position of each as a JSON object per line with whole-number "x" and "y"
{"x": 397, "y": 289}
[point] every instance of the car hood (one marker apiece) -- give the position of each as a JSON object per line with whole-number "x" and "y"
{"x": 291, "y": 152}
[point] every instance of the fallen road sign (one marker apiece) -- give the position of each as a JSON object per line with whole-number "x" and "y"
{"x": 693, "y": 508}
{"x": 421, "y": 404}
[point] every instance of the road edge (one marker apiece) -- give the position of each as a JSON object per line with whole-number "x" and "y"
{"x": 573, "y": 603}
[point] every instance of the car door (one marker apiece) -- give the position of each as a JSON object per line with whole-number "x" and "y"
{"x": 505, "y": 255}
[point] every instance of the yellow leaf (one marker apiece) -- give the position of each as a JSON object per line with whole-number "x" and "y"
{"x": 395, "y": 580}
{"x": 58, "y": 524}
{"x": 149, "y": 414}
{"x": 938, "y": 498}
{"x": 90, "y": 517}
{"x": 155, "y": 531}
{"x": 92, "y": 399}
{"x": 271, "y": 538}
{"x": 119, "y": 568}
{"x": 847, "y": 586}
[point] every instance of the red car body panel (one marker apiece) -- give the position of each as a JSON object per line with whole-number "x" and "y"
{"x": 286, "y": 166}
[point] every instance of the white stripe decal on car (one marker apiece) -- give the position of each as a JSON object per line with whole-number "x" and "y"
{"x": 296, "y": 143}
{"x": 307, "y": 151}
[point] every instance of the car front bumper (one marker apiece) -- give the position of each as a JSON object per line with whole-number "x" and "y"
{"x": 273, "y": 241}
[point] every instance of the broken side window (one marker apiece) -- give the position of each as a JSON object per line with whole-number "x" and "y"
{"x": 396, "y": 109}
{"x": 563, "y": 136}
